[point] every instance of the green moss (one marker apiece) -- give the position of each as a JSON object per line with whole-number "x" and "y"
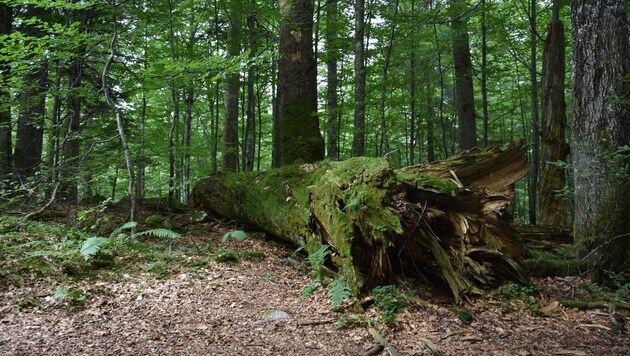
{"x": 300, "y": 138}
{"x": 154, "y": 221}
{"x": 428, "y": 183}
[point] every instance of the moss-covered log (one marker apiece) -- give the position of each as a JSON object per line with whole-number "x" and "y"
{"x": 445, "y": 222}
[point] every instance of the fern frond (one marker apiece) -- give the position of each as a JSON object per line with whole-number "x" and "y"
{"x": 125, "y": 226}
{"x": 160, "y": 233}
{"x": 338, "y": 291}
{"x": 92, "y": 245}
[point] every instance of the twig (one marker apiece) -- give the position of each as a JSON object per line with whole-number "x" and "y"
{"x": 316, "y": 322}
{"x": 594, "y": 326}
{"x": 386, "y": 346}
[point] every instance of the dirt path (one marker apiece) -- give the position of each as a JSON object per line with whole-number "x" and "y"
{"x": 255, "y": 308}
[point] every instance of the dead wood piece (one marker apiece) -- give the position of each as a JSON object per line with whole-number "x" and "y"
{"x": 380, "y": 340}
{"x": 446, "y": 222}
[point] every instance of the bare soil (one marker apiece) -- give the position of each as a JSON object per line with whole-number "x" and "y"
{"x": 254, "y": 307}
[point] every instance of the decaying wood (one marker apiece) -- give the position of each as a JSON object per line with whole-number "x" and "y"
{"x": 541, "y": 235}
{"x": 445, "y": 222}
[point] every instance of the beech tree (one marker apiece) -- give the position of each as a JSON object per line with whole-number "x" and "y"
{"x": 300, "y": 138}
{"x": 6, "y": 24}
{"x": 601, "y": 130}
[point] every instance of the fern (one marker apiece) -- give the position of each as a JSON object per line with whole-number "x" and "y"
{"x": 317, "y": 258}
{"x": 125, "y": 226}
{"x": 338, "y": 291}
{"x": 92, "y": 245}
{"x": 160, "y": 233}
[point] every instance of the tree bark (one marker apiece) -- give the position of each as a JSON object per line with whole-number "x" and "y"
{"x": 533, "y": 184}
{"x": 358, "y": 142}
{"x": 553, "y": 207}
{"x": 229, "y": 150}
{"x": 249, "y": 150}
{"x": 300, "y": 138}
{"x": 332, "y": 144}
{"x": 601, "y": 126}
{"x": 6, "y": 145}
{"x": 463, "y": 79}
{"x": 445, "y": 223}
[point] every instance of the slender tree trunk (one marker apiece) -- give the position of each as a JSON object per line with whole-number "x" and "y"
{"x": 358, "y": 143}
{"x": 430, "y": 127}
{"x": 174, "y": 115}
{"x": 553, "y": 209}
{"x": 29, "y": 136}
{"x": 300, "y": 138}
{"x": 441, "y": 104}
{"x": 331, "y": 65}
{"x": 249, "y": 151}
{"x": 6, "y": 144}
{"x": 412, "y": 94}
{"x": 229, "y": 151}
{"x": 189, "y": 100}
{"x": 463, "y": 78}
{"x": 601, "y": 126}
{"x": 275, "y": 113}
{"x": 388, "y": 56}
{"x": 140, "y": 176}
{"x": 533, "y": 185}
{"x": 484, "y": 70}
{"x": 119, "y": 123}
{"x": 72, "y": 144}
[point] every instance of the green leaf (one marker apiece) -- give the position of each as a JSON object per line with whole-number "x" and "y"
{"x": 161, "y": 233}
{"x": 125, "y": 226}
{"x": 237, "y": 234}
{"x": 92, "y": 245}
{"x": 338, "y": 290}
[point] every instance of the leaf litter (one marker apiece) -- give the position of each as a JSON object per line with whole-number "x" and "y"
{"x": 254, "y": 307}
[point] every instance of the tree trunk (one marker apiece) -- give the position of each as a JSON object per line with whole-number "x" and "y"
{"x": 484, "y": 71}
{"x": 533, "y": 185}
{"x": 6, "y": 145}
{"x": 358, "y": 142}
{"x": 553, "y": 209}
{"x": 300, "y": 138}
{"x": 332, "y": 144}
{"x": 175, "y": 113}
{"x": 249, "y": 150}
{"x": 388, "y": 56}
{"x": 601, "y": 126}
{"x": 229, "y": 150}
{"x": 463, "y": 78}
{"x": 30, "y": 130}
{"x": 445, "y": 223}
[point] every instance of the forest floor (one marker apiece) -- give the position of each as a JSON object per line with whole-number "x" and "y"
{"x": 182, "y": 297}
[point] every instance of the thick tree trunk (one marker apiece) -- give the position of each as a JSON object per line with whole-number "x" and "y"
{"x": 300, "y": 138}
{"x": 445, "y": 223}
{"x": 332, "y": 144}
{"x": 229, "y": 150}
{"x": 553, "y": 207}
{"x": 601, "y": 125}
{"x": 463, "y": 79}
{"x": 358, "y": 142}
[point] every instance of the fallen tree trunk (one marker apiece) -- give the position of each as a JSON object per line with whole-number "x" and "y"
{"x": 445, "y": 222}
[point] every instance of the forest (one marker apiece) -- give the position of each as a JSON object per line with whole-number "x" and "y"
{"x": 337, "y": 169}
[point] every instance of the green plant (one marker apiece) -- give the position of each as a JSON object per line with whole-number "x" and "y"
{"x": 515, "y": 296}
{"x": 389, "y": 301}
{"x": 316, "y": 259}
{"x": 74, "y": 296}
{"x": 235, "y": 234}
{"x": 462, "y": 314}
{"x": 338, "y": 291}
{"x": 310, "y": 288}
{"x": 226, "y": 256}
